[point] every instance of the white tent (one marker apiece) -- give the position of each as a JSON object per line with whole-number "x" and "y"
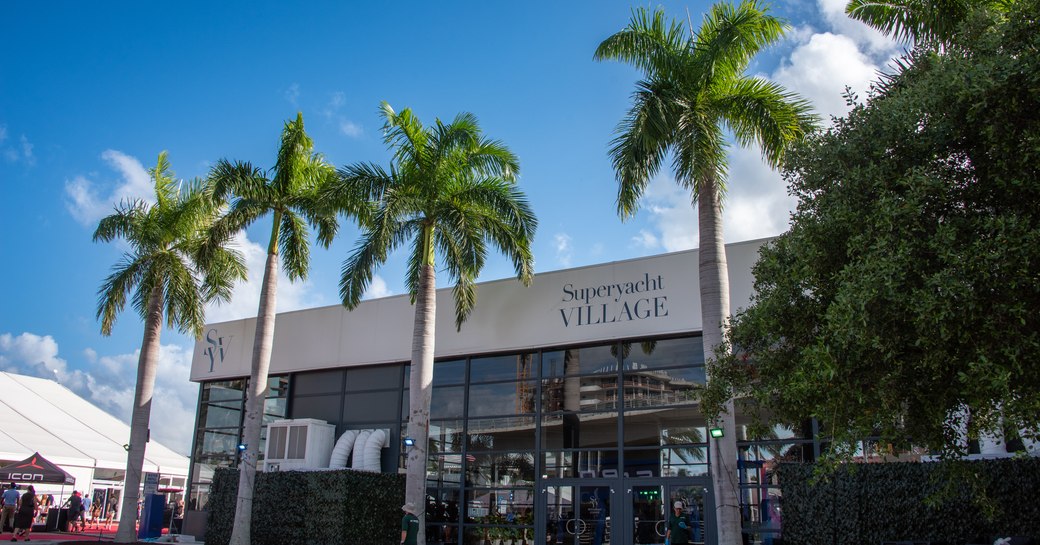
{"x": 40, "y": 415}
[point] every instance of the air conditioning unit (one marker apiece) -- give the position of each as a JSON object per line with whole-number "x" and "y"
{"x": 302, "y": 443}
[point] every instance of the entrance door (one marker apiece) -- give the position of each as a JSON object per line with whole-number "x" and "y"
{"x": 578, "y": 512}
{"x": 623, "y": 511}
{"x": 649, "y": 504}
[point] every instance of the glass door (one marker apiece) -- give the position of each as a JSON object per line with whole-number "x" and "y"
{"x": 578, "y": 514}
{"x": 650, "y": 504}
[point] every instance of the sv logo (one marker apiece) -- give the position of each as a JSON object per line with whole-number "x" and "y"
{"x": 216, "y": 350}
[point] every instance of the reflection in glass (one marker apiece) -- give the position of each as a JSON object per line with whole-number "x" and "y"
{"x": 664, "y": 353}
{"x": 508, "y": 367}
{"x": 380, "y": 377}
{"x": 447, "y": 402}
{"x": 444, "y": 469}
{"x": 651, "y": 388}
{"x": 581, "y": 463}
{"x": 684, "y": 461}
{"x": 578, "y": 430}
{"x": 225, "y": 390}
{"x": 278, "y": 386}
{"x": 579, "y": 361}
{"x": 659, "y": 427}
{"x": 509, "y": 469}
{"x": 276, "y": 407}
{"x": 503, "y": 398}
{"x": 506, "y": 433}
{"x": 445, "y": 436}
{"x": 590, "y": 393}
{"x": 222, "y": 415}
{"x": 449, "y": 372}
{"x": 220, "y": 443}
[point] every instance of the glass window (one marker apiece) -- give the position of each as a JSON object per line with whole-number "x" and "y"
{"x": 218, "y": 442}
{"x": 325, "y": 407}
{"x": 579, "y": 430}
{"x": 509, "y": 367}
{"x": 589, "y": 393}
{"x": 443, "y": 469}
{"x": 683, "y": 461}
{"x": 577, "y": 361}
{"x": 660, "y": 427}
{"x": 445, "y": 436}
{"x": 278, "y": 386}
{"x": 502, "y": 398}
{"x": 447, "y": 402}
{"x": 652, "y": 388}
{"x": 228, "y": 390}
{"x": 324, "y": 382}
{"x": 507, "y": 469}
{"x": 449, "y": 372}
{"x": 382, "y": 377}
{"x": 507, "y": 433}
{"x": 222, "y": 415}
{"x": 278, "y": 406}
{"x": 370, "y": 407}
{"x": 664, "y": 353}
{"x": 581, "y": 463}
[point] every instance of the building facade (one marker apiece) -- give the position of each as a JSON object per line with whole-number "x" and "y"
{"x": 562, "y": 412}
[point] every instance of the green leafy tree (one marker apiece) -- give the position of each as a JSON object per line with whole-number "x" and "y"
{"x": 907, "y": 288}
{"x": 926, "y": 22}
{"x": 450, "y": 191}
{"x": 290, "y": 193}
{"x": 693, "y": 90}
{"x": 175, "y": 264}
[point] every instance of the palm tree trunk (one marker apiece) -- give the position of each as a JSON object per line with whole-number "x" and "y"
{"x": 714, "y": 287}
{"x": 257, "y": 394}
{"x": 420, "y": 394}
{"x": 147, "y": 364}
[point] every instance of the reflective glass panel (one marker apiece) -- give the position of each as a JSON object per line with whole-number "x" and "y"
{"x": 223, "y": 443}
{"x": 579, "y": 430}
{"x": 226, "y": 390}
{"x": 505, "y": 469}
{"x": 326, "y": 407}
{"x": 667, "y": 462}
{"x": 276, "y": 407}
{"x": 278, "y": 386}
{"x": 589, "y": 393}
{"x": 658, "y": 387}
{"x": 664, "y": 353}
{"x": 445, "y": 436}
{"x": 509, "y": 367}
{"x": 222, "y": 415}
{"x": 445, "y": 469}
{"x": 447, "y": 402}
{"x": 370, "y": 407}
{"x": 668, "y": 426}
{"x": 507, "y": 433}
{"x": 578, "y": 361}
{"x": 449, "y": 372}
{"x": 581, "y": 463}
{"x": 502, "y": 398}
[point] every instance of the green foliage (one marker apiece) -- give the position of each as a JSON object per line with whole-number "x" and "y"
{"x": 311, "y": 508}
{"x": 909, "y": 284}
{"x": 950, "y": 502}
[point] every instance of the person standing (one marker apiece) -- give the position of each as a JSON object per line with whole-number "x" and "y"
{"x": 678, "y": 527}
{"x": 23, "y": 518}
{"x": 409, "y": 525}
{"x": 10, "y": 501}
{"x": 75, "y": 516}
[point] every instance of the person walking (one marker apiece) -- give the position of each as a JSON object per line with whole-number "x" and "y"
{"x": 409, "y": 525}
{"x": 75, "y": 514}
{"x": 678, "y": 527}
{"x": 10, "y": 503}
{"x": 23, "y": 517}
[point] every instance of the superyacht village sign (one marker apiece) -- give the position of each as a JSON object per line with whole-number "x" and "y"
{"x": 610, "y": 303}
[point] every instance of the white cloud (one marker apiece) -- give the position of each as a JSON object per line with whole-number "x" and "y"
{"x": 820, "y": 69}
{"x": 833, "y": 12}
{"x": 3, "y": 133}
{"x": 377, "y": 288}
{"x": 27, "y": 151}
{"x": 87, "y": 207}
{"x": 292, "y": 94}
{"x": 562, "y": 243}
{"x": 671, "y": 214}
{"x": 109, "y": 382}
{"x": 646, "y": 240}
{"x": 350, "y": 128}
{"x": 245, "y": 301}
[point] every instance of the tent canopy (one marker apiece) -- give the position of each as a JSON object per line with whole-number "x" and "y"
{"x": 35, "y": 469}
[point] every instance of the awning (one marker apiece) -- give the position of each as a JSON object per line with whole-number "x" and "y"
{"x": 35, "y": 469}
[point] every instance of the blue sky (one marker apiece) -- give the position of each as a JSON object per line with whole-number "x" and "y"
{"x": 90, "y": 93}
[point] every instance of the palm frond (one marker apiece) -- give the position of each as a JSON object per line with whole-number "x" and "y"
{"x": 113, "y": 291}
{"x": 643, "y": 138}
{"x": 294, "y": 243}
{"x": 649, "y": 43}
{"x": 762, "y": 112}
{"x": 294, "y": 158}
{"x": 729, "y": 37}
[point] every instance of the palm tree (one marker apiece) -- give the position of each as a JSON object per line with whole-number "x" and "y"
{"x": 693, "y": 90}
{"x": 292, "y": 195}
{"x": 175, "y": 265}
{"x": 932, "y": 22}
{"x": 452, "y": 191}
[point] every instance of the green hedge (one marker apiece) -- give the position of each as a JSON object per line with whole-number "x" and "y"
{"x": 951, "y": 502}
{"x": 311, "y": 508}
